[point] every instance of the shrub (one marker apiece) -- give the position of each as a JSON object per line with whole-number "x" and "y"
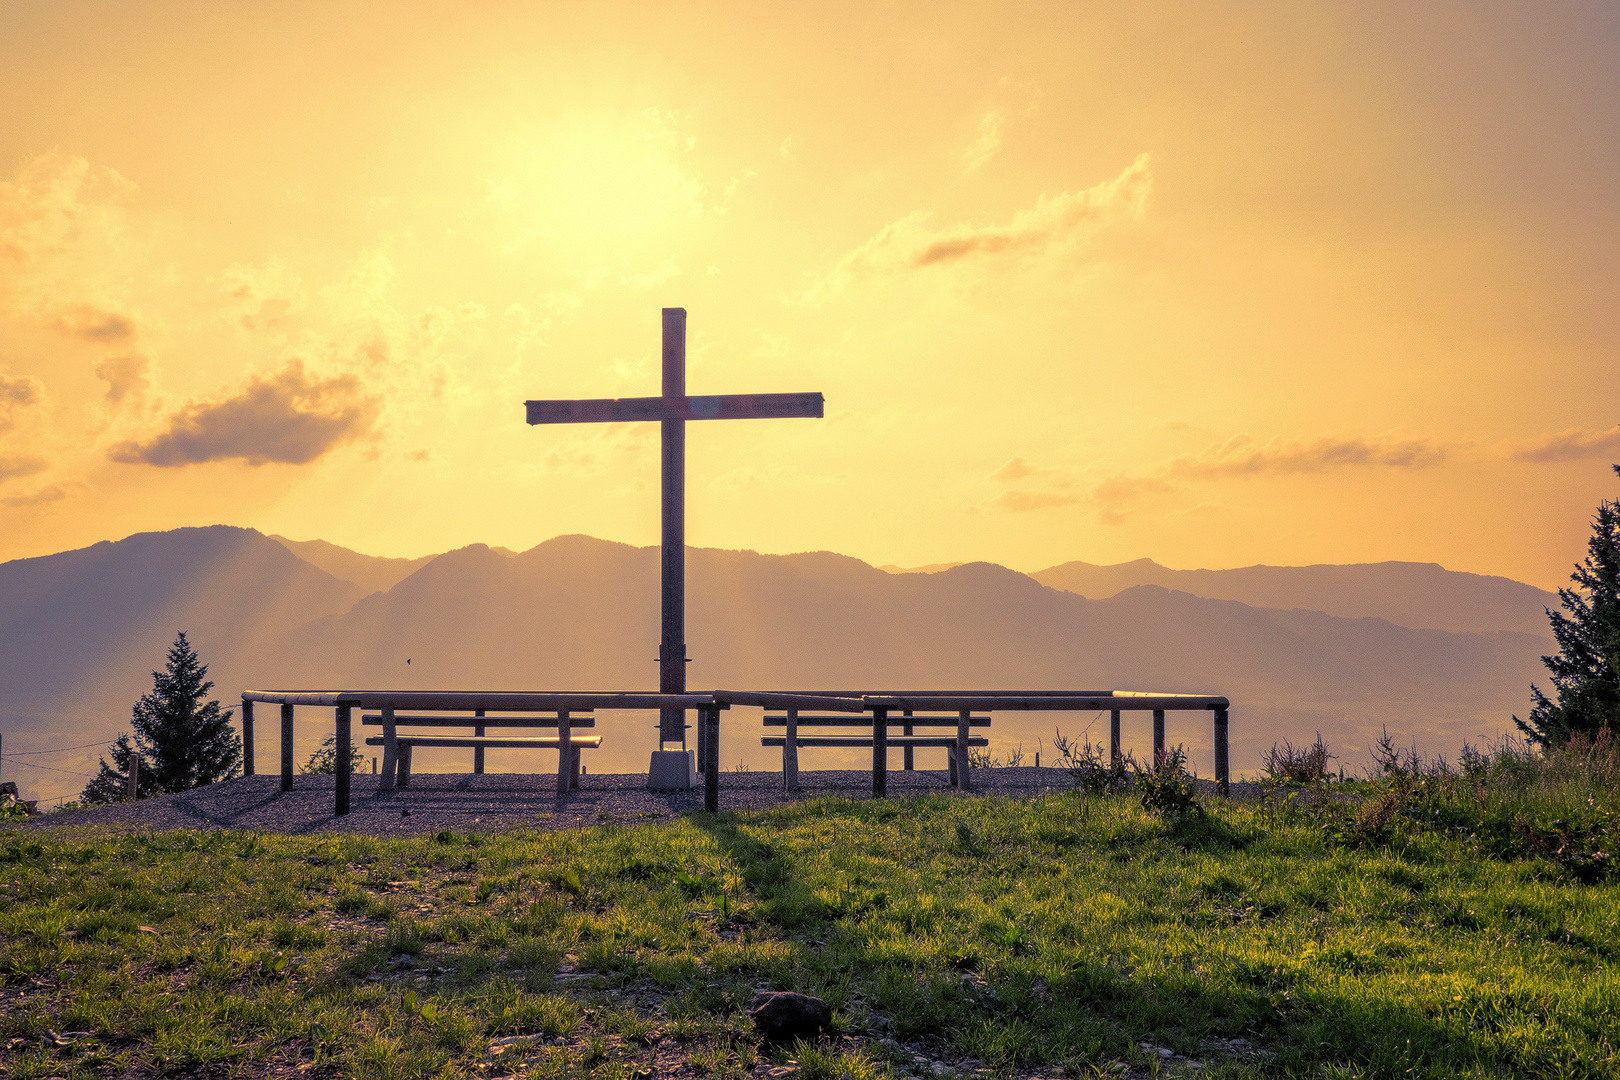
{"x": 323, "y": 761}
{"x": 1168, "y": 788}
{"x": 1093, "y": 772}
{"x": 1287, "y": 763}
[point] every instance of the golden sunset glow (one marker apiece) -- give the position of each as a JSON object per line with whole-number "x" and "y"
{"x": 1213, "y": 285}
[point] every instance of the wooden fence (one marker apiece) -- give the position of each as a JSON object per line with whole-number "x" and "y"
{"x": 709, "y": 706}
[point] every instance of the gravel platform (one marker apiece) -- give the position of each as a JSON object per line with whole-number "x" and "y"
{"x": 464, "y": 802}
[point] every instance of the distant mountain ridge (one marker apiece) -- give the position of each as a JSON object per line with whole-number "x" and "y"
{"x": 82, "y": 631}
{"x": 1418, "y": 595}
{"x": 373, "y": 573}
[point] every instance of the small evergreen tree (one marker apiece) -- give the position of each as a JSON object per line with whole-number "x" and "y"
{"x": 1586, "y": 671}
{"x": 323, "y": 759}
{"x": 183, "y": 741}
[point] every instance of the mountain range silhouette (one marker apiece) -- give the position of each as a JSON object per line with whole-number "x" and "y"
{"x": 1297, "y": 649}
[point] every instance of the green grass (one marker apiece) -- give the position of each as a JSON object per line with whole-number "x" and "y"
{"x": 1063, "y": 932}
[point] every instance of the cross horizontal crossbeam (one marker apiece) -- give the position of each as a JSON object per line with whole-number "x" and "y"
{"x": 714, "y": 407}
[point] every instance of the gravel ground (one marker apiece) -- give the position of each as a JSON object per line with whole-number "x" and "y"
{"x": 466, "y": 803}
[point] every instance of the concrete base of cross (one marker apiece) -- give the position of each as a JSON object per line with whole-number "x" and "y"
{"x": 672, "y": 770}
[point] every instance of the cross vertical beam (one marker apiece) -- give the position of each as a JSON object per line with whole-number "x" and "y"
{"x": 672, "y": 408}
{"x": 672, "y": 645}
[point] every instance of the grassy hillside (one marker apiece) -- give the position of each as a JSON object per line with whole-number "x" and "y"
{"x": 1438, "y": 922}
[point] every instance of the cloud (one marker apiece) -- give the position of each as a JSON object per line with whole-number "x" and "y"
{"x": 1057, "y": 221}
{"x": 1575, "y": 444}
{"x": 65, "y": 231}
{"x": 54, "y": 200}
{"x": 1058, "y": 487}
{"x": 48, "y": 494}
{"x": 18, "y": 393}
{"x": 658, "y": 275}
{"x": 985, "y": 146}
{"x": 15, "y": 465}
{"x": 88, "y": 323}
{"x": 1013, "y": 99}
{"x": 1033, "y": 500}
{"x": 127, "y": 377}
{"x": 1240, "y": 456}
{"x": 288, "y": 417}
{"x": 261, "y": 299}
{"x": 1016, "y": 469}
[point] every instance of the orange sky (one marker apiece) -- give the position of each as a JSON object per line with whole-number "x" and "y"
{"x": 1212, "y": 284}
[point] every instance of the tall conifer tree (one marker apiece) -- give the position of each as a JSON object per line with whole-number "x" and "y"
{"x": 1586, "y": 671}
{"x": 184, "y": 742}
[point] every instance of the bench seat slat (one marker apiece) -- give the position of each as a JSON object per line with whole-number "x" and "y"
{"x": 894, "y": 721}
{"x": 588, "y": 742}
{"x": 855, "y": 741}
{"x": 481, "y": 721}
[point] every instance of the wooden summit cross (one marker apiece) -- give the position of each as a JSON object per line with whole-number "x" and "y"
{"x": 674, "y": 409}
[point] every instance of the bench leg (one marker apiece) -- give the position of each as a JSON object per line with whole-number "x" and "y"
{"x": 702, "y": 744}
{"x": 565, "y": 746}
{"x": 950, "y": 764}
{"x": 478, "y": 751}
{"x": 405, "y": 766}
{"x": 880, "y": 753}
{"x": 1158, "y": 737}
{"x": 790, "y": 752}
{"x": 390, "y": 748}
{"x": 908, "y": 766}
{"x": 964, "y": 773}
{"x": 573, "y": 778}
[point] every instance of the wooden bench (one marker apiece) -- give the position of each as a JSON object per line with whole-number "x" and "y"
{"x": 956, "y": 745}
{"x": 478, "y": 741}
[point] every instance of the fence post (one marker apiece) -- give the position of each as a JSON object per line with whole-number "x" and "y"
{"x": 709, "y": 718}
{"x": 880, "y": 753}
{"x": 247, "y": 737}
{"x": 286, "y": 747}
{"x": 134, "y": 777}
{"x": 344, "y": 765}
{"x": 1113, "y": 738}
{"x": 1222, "y": 759}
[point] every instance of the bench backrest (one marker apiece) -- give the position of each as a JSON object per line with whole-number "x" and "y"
{"x": 575, "y": 720}
{"x": 894, "y": 720}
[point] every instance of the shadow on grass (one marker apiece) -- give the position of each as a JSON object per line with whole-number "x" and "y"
{"x": 1009, "y": 992}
